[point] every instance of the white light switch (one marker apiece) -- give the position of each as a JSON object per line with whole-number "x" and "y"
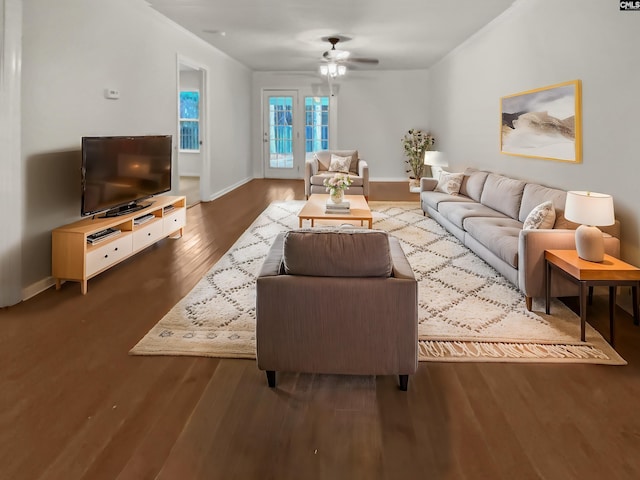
{"x": 111, "y": 93}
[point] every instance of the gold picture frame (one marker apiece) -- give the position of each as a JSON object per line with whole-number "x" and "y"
{"x": 543, "y": 123}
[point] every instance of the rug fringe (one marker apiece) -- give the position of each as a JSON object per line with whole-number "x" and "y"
{"x": 451, "y": 350}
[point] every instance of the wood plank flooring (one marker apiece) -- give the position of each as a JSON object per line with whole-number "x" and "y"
{"x": 74, "y": 405}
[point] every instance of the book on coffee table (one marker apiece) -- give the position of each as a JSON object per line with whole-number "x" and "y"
{"x": 342, "y": 207}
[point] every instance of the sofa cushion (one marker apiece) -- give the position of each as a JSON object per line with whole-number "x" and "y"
{"x": 339, "y": 164}
{"x": 356, "y": 181}
{"x": 542, "y": 216}
{"x": 457, "y": 212}
{"x": 473, "y": 183}
{"x": 535, "y": 194}
{"x": 499, "y": 235}
{"x": 503, "y": 194}
{"x": 324, "y": 159}
{"x": 433, "y": 199}
{"x": 337, "y": 253}
{"x": 449, "y": 183}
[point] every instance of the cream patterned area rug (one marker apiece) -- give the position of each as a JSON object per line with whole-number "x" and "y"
{"x": 467, "y": 311}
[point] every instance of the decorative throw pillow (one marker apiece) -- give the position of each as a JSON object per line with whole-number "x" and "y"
{"x": 339, "y": 164}
{"x": 542, "y": 216}
{"x": 449, "y": 183}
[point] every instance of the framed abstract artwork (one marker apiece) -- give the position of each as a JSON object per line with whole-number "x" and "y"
{"x": 543, "y": 123}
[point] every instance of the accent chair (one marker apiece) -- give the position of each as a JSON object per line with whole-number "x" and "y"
{"x": 337, "y": 301}
{"x": 318, "y": 168}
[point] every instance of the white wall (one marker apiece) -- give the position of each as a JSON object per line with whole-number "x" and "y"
{"x": 535, "y": 44}
{"x": 72, "y": 51}
{"x": 374, "y": 110}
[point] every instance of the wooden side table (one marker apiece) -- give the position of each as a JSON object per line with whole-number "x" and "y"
{"x": 612, "y": 272}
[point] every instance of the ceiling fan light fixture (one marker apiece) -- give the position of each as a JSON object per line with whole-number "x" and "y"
{"x": 332, "y": 69}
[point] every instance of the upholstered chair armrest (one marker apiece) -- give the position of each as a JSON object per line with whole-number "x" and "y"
{"x": 428, "y": 184}
{"x": 310, "y": 169}
{"x": 272, "y": 265}
{"x": 400, "y": 264}
{"x": 531, "y": 265}
{"x": 363, "y": 171}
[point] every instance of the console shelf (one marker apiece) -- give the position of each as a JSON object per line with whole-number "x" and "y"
{"x": 73, "y": 258}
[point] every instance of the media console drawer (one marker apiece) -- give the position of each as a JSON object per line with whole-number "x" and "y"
{"x": 103, "y": 256}
{"x": 147, "y": 234}
{"x": 175, "y": 221}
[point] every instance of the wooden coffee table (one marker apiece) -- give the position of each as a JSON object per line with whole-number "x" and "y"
{"x": 314, "y": 210}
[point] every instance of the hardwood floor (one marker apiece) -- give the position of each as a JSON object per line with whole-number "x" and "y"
{"x": 75, "y": 405}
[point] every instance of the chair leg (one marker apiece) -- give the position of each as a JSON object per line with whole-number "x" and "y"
{"x": 404, "y": 382}
{"x": 271, "y": 378}
{"x": 529, "y": 301}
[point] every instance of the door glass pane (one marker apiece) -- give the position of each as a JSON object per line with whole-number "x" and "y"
{"x": 316, "y": 129}
{"x": 281, "y": 132}
{"x": 189, "y": 118}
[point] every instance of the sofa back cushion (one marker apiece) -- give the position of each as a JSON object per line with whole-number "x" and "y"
{"x": 535, "y": 195}
{"x": 503, "y": 194}
{"x": 324, "y": 159}
{"x": 473, "y": 183}
{"x": 337, "y": 253}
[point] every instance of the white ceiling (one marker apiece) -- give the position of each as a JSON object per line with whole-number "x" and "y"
{"x": 286, "y": 35}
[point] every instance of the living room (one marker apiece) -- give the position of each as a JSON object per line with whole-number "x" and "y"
{"x": 73, "y": 51}
{"x": 455, "y": 98}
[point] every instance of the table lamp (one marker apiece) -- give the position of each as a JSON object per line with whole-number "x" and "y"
{"x": 591, "y": 210}
{"x": 436, "y": 161}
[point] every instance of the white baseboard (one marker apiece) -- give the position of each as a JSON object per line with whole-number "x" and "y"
{"x": 37, "y": 287}
{"x": 224, "y": 191}
{"x": 389, "y": 179}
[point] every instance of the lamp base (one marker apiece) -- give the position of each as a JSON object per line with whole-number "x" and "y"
{"x": 590, "y": 243}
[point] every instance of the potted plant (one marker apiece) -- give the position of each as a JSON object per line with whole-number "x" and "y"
{"x": 416, "y": 143}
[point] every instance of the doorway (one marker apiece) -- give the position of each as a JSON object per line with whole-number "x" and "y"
{"x": 281, "y": 148}
{"x": 295, "y": 125}
{"x": 193, "y": 159}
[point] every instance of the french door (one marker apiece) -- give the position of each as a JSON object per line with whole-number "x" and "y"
{"x": 294, "y": 126}
{"x": 281, "y": 148}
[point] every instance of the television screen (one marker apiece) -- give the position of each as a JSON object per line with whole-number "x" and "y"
{"x": 118, "y": 172}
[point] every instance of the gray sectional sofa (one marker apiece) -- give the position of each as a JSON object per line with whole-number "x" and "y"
{"x": 487, "y": 215}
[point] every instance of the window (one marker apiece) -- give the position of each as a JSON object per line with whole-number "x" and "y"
{"x": 316, "y": 126}
{"x": 281, "y": 132}
{"x": 190, "y": 121}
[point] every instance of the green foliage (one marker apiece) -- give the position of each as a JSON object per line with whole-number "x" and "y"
{"x": 416, "y": 143}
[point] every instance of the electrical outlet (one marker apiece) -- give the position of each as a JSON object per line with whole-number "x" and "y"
{"x": 111, "y": 93}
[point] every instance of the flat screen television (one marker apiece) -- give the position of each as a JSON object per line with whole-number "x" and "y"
{"x": 118, "y": 173}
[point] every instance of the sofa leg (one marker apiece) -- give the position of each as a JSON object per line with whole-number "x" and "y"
{"x": 404, "y": 382}
{"x": 271, "y": 378}
{"x": 529, "y": 301}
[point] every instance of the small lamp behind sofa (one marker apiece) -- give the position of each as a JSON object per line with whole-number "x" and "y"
{"x": 436, "y": 161}
{"x": 337, "y": 302}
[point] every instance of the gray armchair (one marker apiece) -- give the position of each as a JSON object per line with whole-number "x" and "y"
{"x": 337, "y": 302}
{"x": 317, "y": 169}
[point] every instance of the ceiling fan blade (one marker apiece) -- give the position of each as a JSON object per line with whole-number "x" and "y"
{"x": 336, "y": 55}
{"x": 370, "y": 61}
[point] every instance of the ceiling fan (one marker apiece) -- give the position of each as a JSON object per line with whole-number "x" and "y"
{"x": 337, "y": 60}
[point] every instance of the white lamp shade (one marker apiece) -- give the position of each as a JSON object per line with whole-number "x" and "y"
{"x": 589, "y": 208}
{"x": 435, "y": 159}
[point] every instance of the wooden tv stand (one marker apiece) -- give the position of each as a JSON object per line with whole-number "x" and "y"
{"x": 73, "y": 258}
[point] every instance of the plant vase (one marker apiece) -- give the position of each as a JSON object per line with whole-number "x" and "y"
{"x": 337, "y": 196}
{"x": 414, "y": 184}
